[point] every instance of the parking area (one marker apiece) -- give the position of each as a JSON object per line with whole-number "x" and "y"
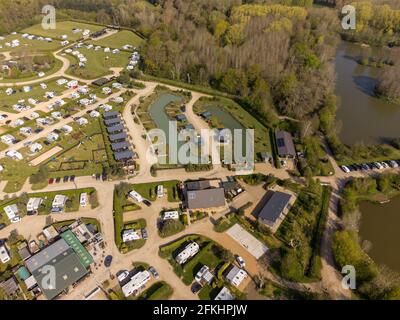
{"x": 255, "y": 247}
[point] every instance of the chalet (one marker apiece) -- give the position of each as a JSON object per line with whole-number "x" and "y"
{"x": 35, "y": 147}
{"x": 284, "y": 142}
{"x": 26, "y": 131}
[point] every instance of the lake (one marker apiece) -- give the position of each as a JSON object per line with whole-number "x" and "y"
{"x": 363, "y": 116}
{"x": 380, "y": 225}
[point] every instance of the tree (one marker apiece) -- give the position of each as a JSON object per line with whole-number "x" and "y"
{"x": 171, "y": 227}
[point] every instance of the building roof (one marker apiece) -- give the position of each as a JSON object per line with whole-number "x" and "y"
{"x": 285, "y": 144}
{"x": 68, "y": 270}
{"x": 46, "y": 255}
{"x": 225, "y": 294}
{"x": 111, "y": 122}
{"x": 100, "y": 82}
{"x": 203, "y": 199}
{"x": 197, "y": 185}
{"x": 24, "y": 253}
{"x": 236, "y": 275}
{"x": 123, "y": 155}
{"x": 23, "y": 273}
{"x": 110, "y": 114}
{"x": 84, "y": 256}
{"x": 9, "y": 286}
{"x": 116, "y": 128}
{"x": 274, "y": 206}
{"x": 119, "y": 145}
{"x": 118, "y": 136}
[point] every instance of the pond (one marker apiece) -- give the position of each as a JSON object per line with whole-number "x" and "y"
{"x": 363, "y": 116}
{"x": 380, "y": 226}
{"x": 228, "y": 122}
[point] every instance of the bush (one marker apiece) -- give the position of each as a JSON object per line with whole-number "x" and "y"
{"x": 171, "y": 227}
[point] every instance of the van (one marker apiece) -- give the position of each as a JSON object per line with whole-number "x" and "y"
{"x": 83, "y": 199}
{"x": 160, "y": 191}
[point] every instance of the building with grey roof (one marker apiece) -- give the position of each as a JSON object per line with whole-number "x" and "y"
{"x": 10, "y": 286}
{"x": 123, "y": 155}
{"x": 118, "y": 146}
{"x": 197, "y": 185}
{"x": 274, "y": 208}
{"x": 68, "y": 268}
{"x": 110, "y": 114}
{"x": 112, "y": 122}
{"x": 284, "y": 142}
{"x": 115, "y": 129}
{"x": 47, "y": 254}
{"x": 205, "y": 199}
{"x": 119, "y": 137}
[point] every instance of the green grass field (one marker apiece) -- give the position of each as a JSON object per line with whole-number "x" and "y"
{"x": 63, "y": 27}
{"x": 37, "y": 93}
{"x": 118, "y": 40}
{"x": 32, "y": 46}
{"x": 98, "y": 64}
{"x": 261, "y": 141}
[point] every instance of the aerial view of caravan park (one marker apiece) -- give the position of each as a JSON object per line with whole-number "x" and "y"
{"x": 203, "y": 150}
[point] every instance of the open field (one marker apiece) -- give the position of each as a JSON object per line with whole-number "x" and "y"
{"x": 63, "y": 27}
{"x": 261, "y": 141}
{"x": 98, "y": 64}
{"x": 29, "y": 46}
{"x": 118, "y": 40}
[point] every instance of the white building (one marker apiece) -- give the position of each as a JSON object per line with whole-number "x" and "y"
{"x": 34, "y": 115}
{"x": 83, "y": 199}
{"x": 11, "y": 211}
{"x": 56, "y": 115}
{"x": 82, "y": 121}
{"x": 130, "y": 235}
{"x": 171, "y": 215}
{"x": 7, "y": 139}
{"x": 190, "y": 251}
{"x": 135, "y": 196}
{"x": 33, "y": 205}
{"x": 4, "y": 256}
{"x": 66, "y": 129}
{"x": 236, "y": 276}
{"x": 72, "y": 84}
{"x": 61, "y": 81}
{"x": 9, "y": 91}
{"x": 35, "y": 147}
{"x": 106, "y": 90}
{"x": 27, "y": 89}
{"x": 59, "y": 201}
{"x": 17, "y": 123}
{"x": 94, "y": 114}
{"x": 26, "y": 131}
{"x": 137, "y": 282}
{"x": 14, "y": 155}
{"x": 225, "y": 295}
{"x": 52, "y": 136}
{"x": 43, "y": 86}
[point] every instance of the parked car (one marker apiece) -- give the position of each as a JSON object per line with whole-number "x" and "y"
{"x": 147, "y": 202}
{"x": 107, "y": 261}
{"x": 65, "y": 179}
{"x": 58, "y": 180}
{"x": 15, "y": 219}
{"x": 345, "y": 169}
{"x": 72, "y": 178}
{"x": 144, "y": 234}
{"x": 196, "y": 287}
{"x": 122, "y": 275}
{"x": 2, "y": 225}
{"x": 51, "y": 180}
{"x": 154, "y": 272}
{"x": 240, "y": 261}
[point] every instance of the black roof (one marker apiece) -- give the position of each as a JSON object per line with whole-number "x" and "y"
{"x": 111, "y": 122}
{"x": 118, "y": 136}
{"x": 274, "y": 207}
{"x": 123, "y": 155}
{"x": 116, "y": 128}
{"x": 119, "y": 145}
{"x": 110, "y": 114}
{"x": 197, "y": 185}
{"x": 285, "y": 144}
{"x": 100, "y": 82}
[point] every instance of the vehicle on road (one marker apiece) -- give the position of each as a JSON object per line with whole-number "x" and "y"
{"x": 107, "y": 261}
{"x": 154, "y": 272}
{"x": 122, "y": 275}
{"x": 240, "y": 261}
{"x": 196, "y": 287}
{"x": 147, "y": 202}
{"x": 345, "y": 169}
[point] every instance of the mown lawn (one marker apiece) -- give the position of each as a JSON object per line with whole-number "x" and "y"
{"x": 149, "y": 190}
{"x": 98, "y": 64}
{"x": 158, "y": 291}
{"x": 63, "y": 27}
{"x": 261, "y": 141}
{"x": 118, "y": 40}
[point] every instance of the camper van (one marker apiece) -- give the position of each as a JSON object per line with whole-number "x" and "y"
{"x": 160, "y": 191}
{"x": 83, "y": 199}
